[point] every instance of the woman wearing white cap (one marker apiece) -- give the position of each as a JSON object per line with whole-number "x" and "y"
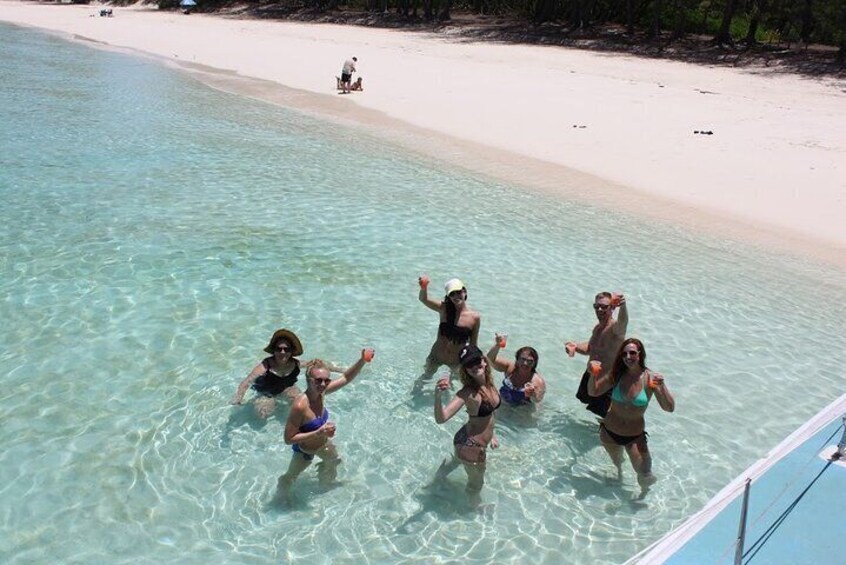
{"x": 459, "y": 325}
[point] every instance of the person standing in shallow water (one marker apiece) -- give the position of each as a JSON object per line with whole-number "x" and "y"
{"x": 275, "y": 376}
{"x": 481, "y": 399}
{"x": 602, "y": 346}
{"x": 632, "y": 385}
{"x": 523, "y": 384}
{"x": 308, "y": 430}
{"x": 459, "y": 325}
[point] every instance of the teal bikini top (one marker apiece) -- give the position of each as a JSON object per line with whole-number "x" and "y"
{"x": 640, "y": 400}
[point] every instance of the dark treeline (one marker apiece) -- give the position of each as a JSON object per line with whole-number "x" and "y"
{"x": 727, "y": 22}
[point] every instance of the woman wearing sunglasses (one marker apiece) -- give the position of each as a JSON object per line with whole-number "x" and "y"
{"x": 632, "y": 386}
{"x": 459, "y": 325}
{"x": 522, "y": 385}
{"x": 481, "y": 399}
{"x": 275, "y": 375}
{"x": 308, "y": 430}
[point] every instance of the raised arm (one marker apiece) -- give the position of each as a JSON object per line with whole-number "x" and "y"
{"x": 442, "y": 414}
{"x": 423, "y": 295}
{"x": 622, "y": 315}
{"x": 600, "y": 381}
{"x": 245, "y": 384}
{"x": 661, "y": 392}
{"x": 499, "y": 363}
{"x": 352, "y": 372}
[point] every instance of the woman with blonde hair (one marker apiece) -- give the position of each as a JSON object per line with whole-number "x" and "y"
{"x": 308, "y": 430}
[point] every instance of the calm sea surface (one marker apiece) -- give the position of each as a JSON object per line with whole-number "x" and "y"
{"x": 154, "y": 233}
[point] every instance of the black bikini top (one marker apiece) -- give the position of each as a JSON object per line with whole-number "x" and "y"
{"x": 271, "y": 383}
{"x": 486, "y": 409}
{"x": 454, "y": 333}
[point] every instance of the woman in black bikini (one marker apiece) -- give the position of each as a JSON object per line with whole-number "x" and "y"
{"x": 275, "y": 375}
{"x": 459, "y": 325}
{"x": 632, "y": 386}
{"x": 480, "y": 397}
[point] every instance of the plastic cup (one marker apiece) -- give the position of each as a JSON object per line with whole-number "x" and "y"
{"x": 615, "y": 301}
{"x": 595, "y": 368}
{"x": 501, "y": 343}
{"x": 368, "y": 355}
{"x": 423, "y": 281}
{"x": 571, "y": 351}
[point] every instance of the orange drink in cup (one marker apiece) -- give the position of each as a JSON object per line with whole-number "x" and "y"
{"x": 423, "y": 281}
{"x": 501, "y": 342}
{"x": 368, "y": 355}
{"x": 595, "y": 368}
{"x": 615, "y": 300}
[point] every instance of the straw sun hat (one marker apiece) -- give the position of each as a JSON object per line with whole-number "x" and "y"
{"x": 288, "y": 335}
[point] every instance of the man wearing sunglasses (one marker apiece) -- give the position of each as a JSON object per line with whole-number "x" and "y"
{"x": 608, "y": 334}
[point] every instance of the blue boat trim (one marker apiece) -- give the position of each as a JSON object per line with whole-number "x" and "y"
{"x": 803, "y": 458}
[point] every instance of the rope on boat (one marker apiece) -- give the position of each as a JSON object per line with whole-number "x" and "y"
{"x": 768, "y": 533}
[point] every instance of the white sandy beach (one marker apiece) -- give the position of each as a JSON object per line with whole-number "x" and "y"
{"x": 774, "y": 169}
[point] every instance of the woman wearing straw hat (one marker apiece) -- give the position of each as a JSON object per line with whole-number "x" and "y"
{"x": 275, "y": 375}
{"x": 459, "y": 325}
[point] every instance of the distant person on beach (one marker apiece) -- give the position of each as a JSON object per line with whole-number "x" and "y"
{"x": 632, "y": 385}
{"x": 308, "y": 430}
{"x": 459, "y": 325}
{"x": 276, "y": 375}
{"x": 357, "y": 86}
{"x": 346, "y": 74}
{"x": 481, "y": 399}
{"x": 602, "y": 346}
{"x": 523, "y": 384}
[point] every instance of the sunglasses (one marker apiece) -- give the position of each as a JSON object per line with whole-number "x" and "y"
{"x": 322, "y": 381}
{"x": 601, "y": 306}
{"x": 283, "y": 349}
{"x": 455, "y": 293}
{"x": 631, "y": 353}
{"x": 526, "y": 360}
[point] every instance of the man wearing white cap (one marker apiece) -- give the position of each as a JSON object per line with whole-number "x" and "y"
{"x": 459, "y": 325}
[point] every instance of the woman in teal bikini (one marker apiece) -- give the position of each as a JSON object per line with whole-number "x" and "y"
{"x": 308, "y": 430}
{"x": 632, "y": 386}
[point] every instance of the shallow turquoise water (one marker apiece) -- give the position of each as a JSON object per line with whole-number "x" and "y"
{"x": 155, "y": 232}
